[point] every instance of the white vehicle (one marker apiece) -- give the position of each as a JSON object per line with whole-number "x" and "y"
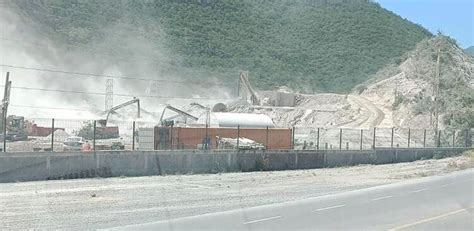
{"x": 73, "y": 143}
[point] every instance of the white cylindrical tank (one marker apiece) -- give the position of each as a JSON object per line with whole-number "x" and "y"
{"x": 244, "y": 120}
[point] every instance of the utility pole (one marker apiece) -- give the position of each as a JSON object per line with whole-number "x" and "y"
{"x": 238, "y": 88}
{"x": 109, "y": 94}
{"x": 152, "y": 88}
{"x": 5, "y": 101}
{"x": 436, "y": 96}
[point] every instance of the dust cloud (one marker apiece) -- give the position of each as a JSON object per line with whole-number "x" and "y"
{"x": 159, "y": 76}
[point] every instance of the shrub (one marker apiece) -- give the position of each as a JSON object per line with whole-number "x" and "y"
{"x": 398, "y": 100}
{"x": 360, "y": 88}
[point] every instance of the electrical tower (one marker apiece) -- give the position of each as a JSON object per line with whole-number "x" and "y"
{"x": 152, "y": 88}
{"x": 109, "y": 94}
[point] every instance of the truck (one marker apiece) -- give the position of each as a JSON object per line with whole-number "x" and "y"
{"x": 15, "y": 128}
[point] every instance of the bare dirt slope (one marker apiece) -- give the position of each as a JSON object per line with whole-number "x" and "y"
{"x": 412, "y": 83}
{"x": 322, "y": 110}
{"x": 398, "y": 96}
{"x": 100, "y": 203}
{"x": 318, "y": 110}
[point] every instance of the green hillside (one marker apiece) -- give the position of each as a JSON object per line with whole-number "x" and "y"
{"x": 470, "y": 50}
{"x": 307, "y": 45}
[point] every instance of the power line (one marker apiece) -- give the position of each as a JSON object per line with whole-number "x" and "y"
{"x": 189, "y": 32}
{"x": 115, "y": 94}
{"x": 121, "y": 24}
{"x": 111, "y": 55}
{"x": 73, "y": 109}
{"x": 54, "y": 108}
{"x": 95, "y": 51}
{"x": 110, "y": 76}
{"x": 186, "y": 31}
{"x": 207, "y": 35}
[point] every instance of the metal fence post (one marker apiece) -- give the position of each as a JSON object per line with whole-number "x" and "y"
{"x": 391, "y": 139}
{"x": 409, "y": 134}
{"x": 317, "y": 142}
{"x": 454, "y": 138}
{"x": 178, "y": 146}
{"x": 361, "y": 137}
{"x": 4, "y": 110}
{"x": 171, "y": 137}
{"x": 293, "y": 139}
{"x": 205, "y": 139}
{"x": 93, "y": 135}
{"x": 52, "y": 135}
{"x": 266, "y": 139}
{"x": 424, "y": 137}
{"x": 373, "y": 140}
{"x": 340, "y": 139}
{"x": 133, "y": 136}
{"x": 238, "y": 136}
{"x": 466, "y": 136}
{"x": 438, "y": 142}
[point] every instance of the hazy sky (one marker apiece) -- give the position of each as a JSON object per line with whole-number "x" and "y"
{"x": 452, "y": 17}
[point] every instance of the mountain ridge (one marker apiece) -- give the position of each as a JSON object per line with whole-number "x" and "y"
{"x": 470, "y": 50}
{"x": 311, "y": 47}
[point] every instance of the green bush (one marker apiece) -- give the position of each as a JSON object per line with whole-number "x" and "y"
{"x": 398, "y": 100}
{"x": 360, "y": 88}
{"x": 422, "y": 106}
{"x": 86, "y": 131}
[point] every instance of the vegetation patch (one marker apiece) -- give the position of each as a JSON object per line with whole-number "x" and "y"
{"x": 307, "y": 45}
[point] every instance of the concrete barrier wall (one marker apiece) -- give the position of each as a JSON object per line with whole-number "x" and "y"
{"x": 48, "y": 166}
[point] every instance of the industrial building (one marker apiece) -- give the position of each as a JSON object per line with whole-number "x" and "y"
{"x": 198, "y": 137}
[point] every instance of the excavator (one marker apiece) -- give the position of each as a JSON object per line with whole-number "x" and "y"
{"x": 165, "y": 131}
{"x": 180, "y": 112}
{"x": 16, "y": 128}
{"x": 15, "y": 125}
{"x": 114, "y": 109}
{"x": 104, "y": 132}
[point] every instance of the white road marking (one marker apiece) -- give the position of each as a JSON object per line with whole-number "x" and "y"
{"x": 444, "y": 185}
{"x": 430, "y": 219}
{"x": 263, "y": 219}
{"x": 331, "y": 207}
{"x": 381, "y": 198}
{"x": 419, "y": 190}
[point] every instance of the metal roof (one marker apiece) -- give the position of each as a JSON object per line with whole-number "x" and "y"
{"x": 244, "y": 120}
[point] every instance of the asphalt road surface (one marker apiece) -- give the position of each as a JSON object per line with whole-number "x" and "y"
{"x": 432, "y": 203}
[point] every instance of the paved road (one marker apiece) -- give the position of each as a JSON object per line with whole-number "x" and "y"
{"x": 444, "y": 202}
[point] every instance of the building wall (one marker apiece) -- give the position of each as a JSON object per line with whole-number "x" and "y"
{"x": 190, "y": 138}
{"x": 283, "y": 99}
{"x": 146, "y": 139}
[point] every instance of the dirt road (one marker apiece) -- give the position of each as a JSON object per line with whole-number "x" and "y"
{"x": 371, "y": 117}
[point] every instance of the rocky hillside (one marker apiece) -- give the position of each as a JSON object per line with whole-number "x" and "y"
{"x": 404, "y": 92}
{"x": 320, "y": 45}
{"x": 470, "y": 50}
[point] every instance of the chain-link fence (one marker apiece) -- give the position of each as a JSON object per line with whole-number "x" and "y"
{"x": 39, "y": 134}
{"x": 353, "y": 139}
